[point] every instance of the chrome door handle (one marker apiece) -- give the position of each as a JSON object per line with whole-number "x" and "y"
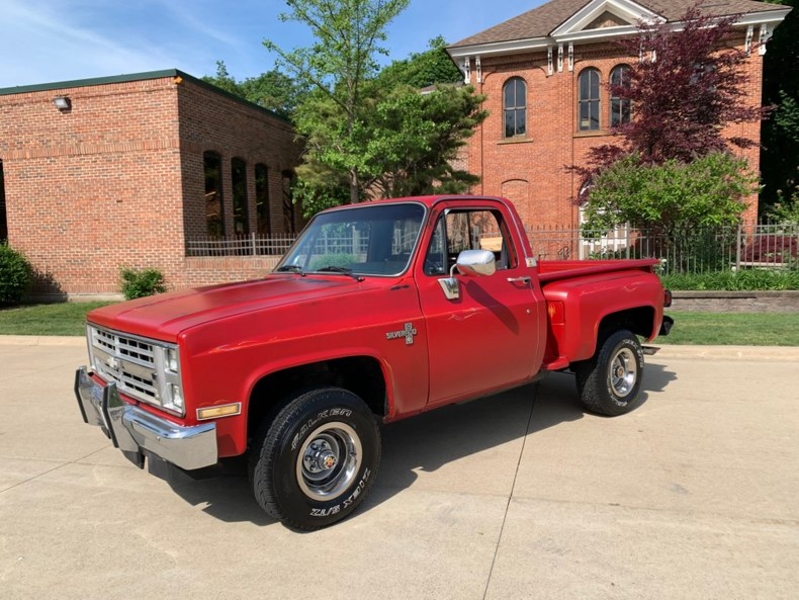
{"x": 520, "y": 279}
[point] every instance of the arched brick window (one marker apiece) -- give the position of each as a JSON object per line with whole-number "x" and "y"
{"x": 238, "y": 180}
{"x": 514, "y": 105}
{"x": 264, "y": 222}
{"x": 289, "y": 208}
{"x": 588, "y": 103}
{"x": 214, "y": 205}
{"x": 3, "y": 221}
{"x": 620, "y": 108}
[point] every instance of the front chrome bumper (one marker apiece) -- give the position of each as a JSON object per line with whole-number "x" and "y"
{"x": 135, "y": 431}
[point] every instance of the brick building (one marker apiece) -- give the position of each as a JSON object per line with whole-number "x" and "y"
{"x": 128, "y": 171}
{"x": 545, "y": 75}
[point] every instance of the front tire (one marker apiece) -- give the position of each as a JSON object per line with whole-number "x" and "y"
{"x": 609, "y": 383}
{"x": 317, "y": 460}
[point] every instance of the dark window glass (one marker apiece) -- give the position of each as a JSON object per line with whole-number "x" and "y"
{"x": 589, "y": 100}
{"x": 238, "y": 179}
{"x": 289, "y": 208}
{"x": 457, "y": 231}
{"x": 3, "y": 220}
{"x": 262, "y": 199}
{"x": 214, "y": 206}
{"x": 515, "y": 107}
{"x": 620, "y": 108}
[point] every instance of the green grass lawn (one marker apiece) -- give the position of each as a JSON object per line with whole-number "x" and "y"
{"x": 721, "y": 329}
{"x": 733, "y": 329}
{"x": 66, "y": 318}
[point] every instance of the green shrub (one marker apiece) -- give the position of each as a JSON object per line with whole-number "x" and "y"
{"x": 751, "y": 280}
{"x": 16, "y": 275}
{"x": 138, "y": 284}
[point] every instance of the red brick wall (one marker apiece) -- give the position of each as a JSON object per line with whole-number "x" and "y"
{"x": 117, "y": 181}
{"x": 94, "y": 188}
{"x": 533, "y": 170}
{"x": 212, "y": 122}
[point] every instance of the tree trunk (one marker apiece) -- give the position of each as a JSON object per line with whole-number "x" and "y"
{"x": 355, "y": 196}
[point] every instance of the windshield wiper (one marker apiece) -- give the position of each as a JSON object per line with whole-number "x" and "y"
{"x": 292, "y": 268}
{"x": 343, "y": 270}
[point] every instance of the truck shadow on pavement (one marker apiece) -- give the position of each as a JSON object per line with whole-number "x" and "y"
{"x": 422, "y": 444}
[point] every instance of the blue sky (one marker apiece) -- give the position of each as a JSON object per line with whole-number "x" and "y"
{"x": 44, "y": 41}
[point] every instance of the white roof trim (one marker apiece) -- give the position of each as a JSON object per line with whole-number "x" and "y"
{"x": 566, "y": 32}
{"x": 624, "y": 9}
{"x": 498, "y": 48}
{"x": 771, "y": 16}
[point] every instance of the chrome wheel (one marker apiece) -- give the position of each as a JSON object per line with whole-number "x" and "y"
{"x": 623, "y": 372}
{"x": 328, "y": 461}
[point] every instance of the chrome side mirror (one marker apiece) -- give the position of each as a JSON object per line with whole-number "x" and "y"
{"x": 475, "y": 263}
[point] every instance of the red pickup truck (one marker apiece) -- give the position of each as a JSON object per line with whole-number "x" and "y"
{"x": 378, "y": 312}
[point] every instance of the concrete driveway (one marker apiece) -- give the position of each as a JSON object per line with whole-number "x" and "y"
{"x": 521, "y": 495}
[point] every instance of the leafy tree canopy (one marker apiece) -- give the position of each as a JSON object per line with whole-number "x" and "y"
{"x": 406, "y": 144}
{"x": 423, "y": 69}
{"x": 368, "y": 132}
{"x": 273, "y": 90}
{"x": 780, "y": 154}
{"x": 672, "y": 196}
{"x": 337, "y": 66}
{"x": 686, "y": 88}
{"x": 672, "y": 167}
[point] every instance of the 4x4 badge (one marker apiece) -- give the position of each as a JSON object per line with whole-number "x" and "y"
{"x": 407, "y": 333}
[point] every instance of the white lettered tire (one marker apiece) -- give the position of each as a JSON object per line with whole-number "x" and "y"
{"x": 317, "y": 460}
{"x": 610, "y": 382}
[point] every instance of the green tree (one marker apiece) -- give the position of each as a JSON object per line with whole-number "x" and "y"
{"x": 424, "y": 69}
{"x": 273, "y": 90}
{"x": 672, "y": 197}
{"x": 337, "y": 66}
{"x": 413, "y": 139}
{"x": 682, "y": 102}
{"x": 779, "y": 156}
{"x": 406, "y": 144}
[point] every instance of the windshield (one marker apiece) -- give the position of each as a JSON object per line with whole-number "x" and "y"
{"x": 372, "y": 240}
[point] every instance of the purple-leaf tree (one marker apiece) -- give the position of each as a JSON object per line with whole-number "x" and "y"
{"x": 684, "y": 88}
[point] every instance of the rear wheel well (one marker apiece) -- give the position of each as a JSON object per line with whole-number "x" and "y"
{"x": 638, "y": 320}
{"x": 361, "y": 375}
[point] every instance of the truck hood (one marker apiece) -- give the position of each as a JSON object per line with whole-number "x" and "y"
{"x": 165, "y": 316}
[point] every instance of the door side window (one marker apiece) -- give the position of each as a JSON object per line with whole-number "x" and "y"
{"x": 460, "y": 230}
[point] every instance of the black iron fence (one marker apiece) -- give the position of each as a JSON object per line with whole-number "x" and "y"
{"x": 773, "y": 246}
{"x": 244, "y": 245}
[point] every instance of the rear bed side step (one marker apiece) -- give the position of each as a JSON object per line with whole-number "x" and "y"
{"x": 650, "y": 350}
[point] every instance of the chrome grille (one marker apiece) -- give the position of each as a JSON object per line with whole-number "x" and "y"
{"x": 128, "y": 361}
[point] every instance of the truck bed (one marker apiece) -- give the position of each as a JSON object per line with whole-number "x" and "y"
{"x": 556, "y": 270}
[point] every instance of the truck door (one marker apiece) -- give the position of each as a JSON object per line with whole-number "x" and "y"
{"x": 493, "y": 335}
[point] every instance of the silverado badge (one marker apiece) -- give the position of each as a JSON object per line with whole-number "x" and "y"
{"x": 407, "y": 333}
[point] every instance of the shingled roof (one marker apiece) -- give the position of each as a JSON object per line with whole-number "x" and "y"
{"x": 541, "y": 21}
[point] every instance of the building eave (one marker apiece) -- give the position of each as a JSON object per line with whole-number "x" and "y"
{"x": 629, "y": 11}
{"x": 500, "y": 48}
{"x": 771, "y": 18}
{"x": 76, "y": 83}
{"x": 132, "y": 77}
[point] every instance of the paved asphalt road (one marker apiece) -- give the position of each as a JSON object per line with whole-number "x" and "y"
{"x": 695, "y": 494}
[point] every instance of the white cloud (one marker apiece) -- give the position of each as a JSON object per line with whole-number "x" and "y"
{"x": 48, "y": 43}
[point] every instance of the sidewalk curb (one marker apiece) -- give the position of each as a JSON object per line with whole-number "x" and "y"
{"x": 753, "y": 353}
{"x": 41, "y": 340}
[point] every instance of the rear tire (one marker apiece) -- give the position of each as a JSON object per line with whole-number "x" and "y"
{"x": 609, "y": 383}
{"x": 317, "y": 460}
